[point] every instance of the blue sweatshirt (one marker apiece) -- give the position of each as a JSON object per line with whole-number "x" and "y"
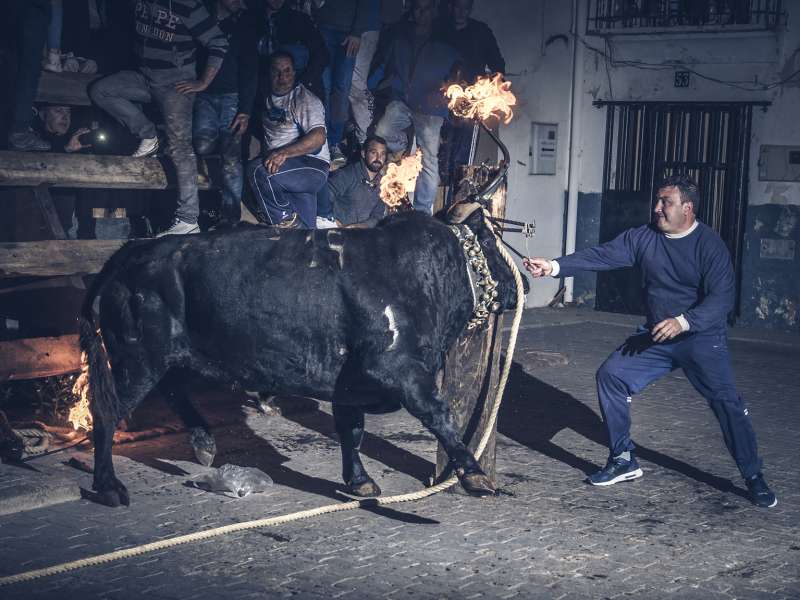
{"x": 691, "y": 275}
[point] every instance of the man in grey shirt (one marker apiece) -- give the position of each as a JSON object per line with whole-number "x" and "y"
{"x": 355, "y": 189}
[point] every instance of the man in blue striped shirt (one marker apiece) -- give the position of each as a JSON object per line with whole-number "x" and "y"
{"x": 689, "y": 287}
{"x": 167, "y": 34}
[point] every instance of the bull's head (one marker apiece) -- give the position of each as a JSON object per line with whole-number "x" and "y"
{"x": 472, "y": 215}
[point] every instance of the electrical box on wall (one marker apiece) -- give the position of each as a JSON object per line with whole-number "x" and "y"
{"x": 779, "y": 163}
{"x": 543, "y": 149}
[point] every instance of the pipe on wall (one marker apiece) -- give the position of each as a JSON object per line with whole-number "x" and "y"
{"x": 579, "y": 8}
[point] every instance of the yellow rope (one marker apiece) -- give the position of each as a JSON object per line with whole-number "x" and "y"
{"x": 313, "y": 512}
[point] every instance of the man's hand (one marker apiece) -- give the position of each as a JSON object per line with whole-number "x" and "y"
{"x": 666, "y": 330}
{"x": 74, "y": 144}
{"x": 538, "y": 267}
{"x": 190, "y": 86}
{"x": 240, "y": 124}
{"x": 275, "y": 160}
{"x": 351, "y": 44}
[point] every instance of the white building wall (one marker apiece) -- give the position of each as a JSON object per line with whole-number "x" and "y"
{"x": 541, "y": 76}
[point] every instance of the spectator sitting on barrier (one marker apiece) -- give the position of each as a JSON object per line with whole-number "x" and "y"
{"x": 222, "y": 111}
{"x": 418, "y": 63}
{"x": 354, "y": 189}
{"x": 296, "y": 161}
{"x": 166, "y": 34}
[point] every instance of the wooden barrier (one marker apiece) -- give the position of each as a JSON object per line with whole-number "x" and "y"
{"x": 39, "y": 357}
{"x": 470, "y": 377}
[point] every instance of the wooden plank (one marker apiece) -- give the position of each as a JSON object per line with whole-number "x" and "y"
{"x": 39, "y": 357}
{"x": 68, "y": 89}
{"x": 44, "y": 284}
{"x": 53, "y": 258}
{"x": 470, "y": 376}
{"x": 87, "y": 171}
{"x": 45, "y": 202}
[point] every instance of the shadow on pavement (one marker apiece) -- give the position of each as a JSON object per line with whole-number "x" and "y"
{"x": 533, "y": 412}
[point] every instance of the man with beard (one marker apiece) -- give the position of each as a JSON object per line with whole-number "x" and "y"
{"x": 355, "y": 189}
{"x": 690, "y": 288}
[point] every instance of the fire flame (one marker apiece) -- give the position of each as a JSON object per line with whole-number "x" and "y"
{"x": 488, "y": 96}
{"x": 80, "y": 415}
{"x": 400, "y": 179}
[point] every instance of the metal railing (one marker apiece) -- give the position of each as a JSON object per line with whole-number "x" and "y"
{"x": 645, "y": 16}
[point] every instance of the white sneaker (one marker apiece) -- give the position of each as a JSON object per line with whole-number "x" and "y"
{"x": 147, "y": 147}
{"x": 180, "y": 228}
{"x": 323, "y": 223}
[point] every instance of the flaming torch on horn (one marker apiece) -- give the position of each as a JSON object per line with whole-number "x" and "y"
{"x": 489, "y": 96}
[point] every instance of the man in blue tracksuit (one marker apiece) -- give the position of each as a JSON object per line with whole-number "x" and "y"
{"x": 689, "y": 285}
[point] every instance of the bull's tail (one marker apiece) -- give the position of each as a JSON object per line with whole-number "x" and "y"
{"x": 96, "y": 383}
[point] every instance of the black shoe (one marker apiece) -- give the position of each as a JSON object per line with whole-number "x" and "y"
{"x": 616, "y": 470}
{"x": 760, "y": 494}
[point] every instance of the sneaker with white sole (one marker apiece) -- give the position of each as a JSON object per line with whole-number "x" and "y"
{"x": 760, "y": 494}
{"x": 617, "y": 469}
{"x": 53, "y": 62}
{"x": 147, "y": 147}
{"x": 324, "y": 223}
{"x": 179, "y": 227}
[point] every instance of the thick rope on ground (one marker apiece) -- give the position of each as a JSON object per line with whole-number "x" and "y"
{"x": 314, "y": 512}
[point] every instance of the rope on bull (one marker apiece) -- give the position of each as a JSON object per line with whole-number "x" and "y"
{"x": 314, "y": 512}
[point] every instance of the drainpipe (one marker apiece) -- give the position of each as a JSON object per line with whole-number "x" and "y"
{"x": 579, "y": 8}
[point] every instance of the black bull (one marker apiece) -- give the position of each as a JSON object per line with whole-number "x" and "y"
{"x": 361, "y": 317}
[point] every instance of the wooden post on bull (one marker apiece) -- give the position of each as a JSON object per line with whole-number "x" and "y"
{"x": 470, "y": 377}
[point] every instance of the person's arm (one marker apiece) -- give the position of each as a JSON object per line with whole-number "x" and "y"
{"x": 616, "y": 254}
{"x": 377, "y": 213}
{"x": 204, "y": 29}
{"x": 305, "y": 144}
{"x": 340, "y": 187}
{"x": 359, "y": 25}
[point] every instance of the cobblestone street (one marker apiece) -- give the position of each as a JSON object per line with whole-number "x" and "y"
{"x": 685, "y": 530}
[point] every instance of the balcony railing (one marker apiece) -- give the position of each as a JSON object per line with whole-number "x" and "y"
{"x": 647, "y": 16}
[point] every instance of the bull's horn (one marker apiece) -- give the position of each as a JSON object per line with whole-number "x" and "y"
{"x": 461, "y": 211}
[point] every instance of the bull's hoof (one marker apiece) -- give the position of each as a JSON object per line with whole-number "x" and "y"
{"x": 112, "y": 497}
{"x": 477, "y": 484}
{"x": 367, "y": 489}
{"x": 204, "y": 446}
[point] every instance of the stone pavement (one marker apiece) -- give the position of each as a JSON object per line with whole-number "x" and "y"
{"x": 685, "y": 530}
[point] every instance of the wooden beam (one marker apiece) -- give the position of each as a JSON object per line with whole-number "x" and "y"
{"x": 39, "y": 357}
{"x": 69, "y": 89}
{"x": 87, "y": 171}
{"x": 53, "y": 258}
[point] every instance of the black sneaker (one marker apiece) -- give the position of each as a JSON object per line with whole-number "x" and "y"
{"x": 760, "y": 494}
{"x": 616, "y": 470}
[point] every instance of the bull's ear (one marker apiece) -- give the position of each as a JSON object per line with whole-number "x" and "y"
{"x": 461, "y": 211}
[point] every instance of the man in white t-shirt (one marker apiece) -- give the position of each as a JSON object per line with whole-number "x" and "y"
{"x": 295, "y": 162}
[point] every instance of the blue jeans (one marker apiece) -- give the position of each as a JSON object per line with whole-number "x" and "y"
{"x": 213, "y": 115}
{"x": 706, "y": 362}
{"x": 336, "y": 78}
{"x": 397, "y": 118}
{"x": 293, "y": 189}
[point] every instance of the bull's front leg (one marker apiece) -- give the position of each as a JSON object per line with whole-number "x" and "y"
{"x": 434, "y": 413}
{"x": 350, "y": 427}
